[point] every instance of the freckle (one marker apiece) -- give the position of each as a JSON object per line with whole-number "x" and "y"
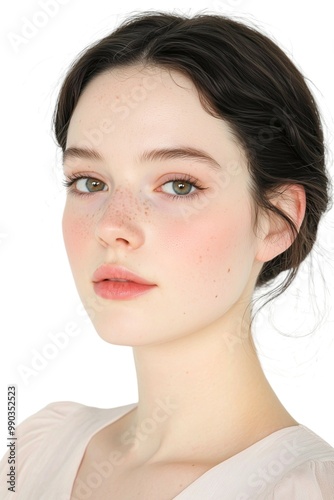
{"x": 228, "y": 270}
{"x": 216, "y": 296}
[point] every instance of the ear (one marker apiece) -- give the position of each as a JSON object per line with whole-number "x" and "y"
{"x": 274, "y": 232}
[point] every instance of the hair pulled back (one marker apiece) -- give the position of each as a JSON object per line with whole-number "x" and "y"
{"x": 243, "y": 78}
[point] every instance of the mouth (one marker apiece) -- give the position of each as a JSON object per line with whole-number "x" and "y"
{"x": 115, "y": 279}
{"x": 118, "y": 283}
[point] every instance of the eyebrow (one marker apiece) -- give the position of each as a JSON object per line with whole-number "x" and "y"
{"x": 154, "y": 154}
{"x": 184, "y": 152}
{"x": 85, "y": 153}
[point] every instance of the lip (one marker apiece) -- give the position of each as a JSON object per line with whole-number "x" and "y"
{"x": 110, "y": 272}
{"x": 106, "y": 285}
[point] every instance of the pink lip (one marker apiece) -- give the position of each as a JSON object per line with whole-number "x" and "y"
{"x": 106, "y": 285}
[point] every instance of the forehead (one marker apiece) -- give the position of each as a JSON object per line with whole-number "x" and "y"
{"x": 139, "y": 107}
{"x": 137, "y": 84}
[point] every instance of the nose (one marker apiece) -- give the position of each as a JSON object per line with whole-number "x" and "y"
{"x": 118, "y": 221}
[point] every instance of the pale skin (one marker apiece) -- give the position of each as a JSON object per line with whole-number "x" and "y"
{"x": 191, "y": 334}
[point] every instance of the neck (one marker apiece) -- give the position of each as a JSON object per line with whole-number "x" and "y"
{"x": 203, "y": 389}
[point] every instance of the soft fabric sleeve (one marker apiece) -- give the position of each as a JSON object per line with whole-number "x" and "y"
{"x": 31, "y": 434}
{"x": 312, "y": 480}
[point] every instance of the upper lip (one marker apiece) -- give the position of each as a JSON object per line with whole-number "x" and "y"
{"x": 109, "y": 272}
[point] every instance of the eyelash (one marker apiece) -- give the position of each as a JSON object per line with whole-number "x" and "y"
{"x": 188, "y": 179}
{"x": 70, "y": 181}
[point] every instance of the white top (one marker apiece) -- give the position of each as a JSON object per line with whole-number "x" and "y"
{"x": 293, "y": 463}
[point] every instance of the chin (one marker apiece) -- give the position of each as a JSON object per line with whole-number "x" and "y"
{"x": 122, "y": 331}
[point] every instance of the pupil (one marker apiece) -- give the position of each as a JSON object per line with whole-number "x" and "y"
{"x": 93, "y": 185}
{"x": 181, "y": 186}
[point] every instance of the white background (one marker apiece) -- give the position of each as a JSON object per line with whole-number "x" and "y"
{"x": 38, "y": 296}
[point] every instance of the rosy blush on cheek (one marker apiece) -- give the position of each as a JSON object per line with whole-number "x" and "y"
{"x": 76, "y": 233}
{"x": 214, "y": 248}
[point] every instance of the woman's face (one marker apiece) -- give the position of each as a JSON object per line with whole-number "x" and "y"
{"x": 196, "y": 245}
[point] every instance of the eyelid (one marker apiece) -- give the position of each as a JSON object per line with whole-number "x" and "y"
{"x": 183, "y": 177}
{"x": 70, "y": 180}
{"x": 188, "y": 179}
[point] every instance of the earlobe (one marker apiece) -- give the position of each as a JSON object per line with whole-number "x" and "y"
{"x": 277, "y": 236}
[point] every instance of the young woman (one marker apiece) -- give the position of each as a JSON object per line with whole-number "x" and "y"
{"x": 194, "y": 163}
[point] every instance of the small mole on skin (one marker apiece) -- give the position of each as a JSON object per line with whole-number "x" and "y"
{"x": 228, "y": 270}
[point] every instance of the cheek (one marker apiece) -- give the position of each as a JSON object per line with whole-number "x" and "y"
{"x": 210, "y": 250}
{"x": 76, "y": 233}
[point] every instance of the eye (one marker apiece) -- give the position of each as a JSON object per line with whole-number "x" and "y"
{"x": 182, "y": 187}
{"x": 179, "y": 187}
{"x": 84, "y": 185}
{"x": 89, "y": 185}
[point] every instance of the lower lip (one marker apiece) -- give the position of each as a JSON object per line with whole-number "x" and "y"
{"x": 120, "y": 290}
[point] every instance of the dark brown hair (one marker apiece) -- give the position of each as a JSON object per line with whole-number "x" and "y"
{"x": 243, "y": 78}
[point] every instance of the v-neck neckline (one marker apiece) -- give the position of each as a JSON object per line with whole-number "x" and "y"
{"x": 129, "y": 408}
